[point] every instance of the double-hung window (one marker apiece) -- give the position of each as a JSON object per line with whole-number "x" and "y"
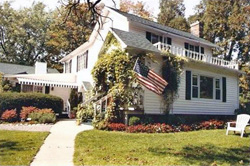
{"x": 206, "y": 87}
{"x": 195, "y": 87}
{"x": 82, "y": 61}
{"x": 217, "y": 89}
{"x": 153, "y": 38}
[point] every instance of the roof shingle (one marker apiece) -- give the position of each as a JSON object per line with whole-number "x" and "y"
{"x": 135, "y": 40}
{"x": 164, "y": 28}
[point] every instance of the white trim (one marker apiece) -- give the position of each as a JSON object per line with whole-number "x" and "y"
{"x": 29, "y": 81}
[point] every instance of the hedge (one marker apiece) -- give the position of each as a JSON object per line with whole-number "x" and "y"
{"x": 16, "y": 101}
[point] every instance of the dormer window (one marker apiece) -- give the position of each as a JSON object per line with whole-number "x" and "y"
{"x": 153, "y": 38}
{"x": 82, "y": 61}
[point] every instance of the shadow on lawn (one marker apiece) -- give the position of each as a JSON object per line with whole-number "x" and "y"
{"x": 206, "y": 154}
{"x": 6, "y": 146}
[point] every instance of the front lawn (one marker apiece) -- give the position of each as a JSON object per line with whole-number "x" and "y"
{"x": 203, "y": 147}
{"x": 19, "y": 147}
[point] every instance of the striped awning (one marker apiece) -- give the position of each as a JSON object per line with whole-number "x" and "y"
{"x": 53, "y": 80}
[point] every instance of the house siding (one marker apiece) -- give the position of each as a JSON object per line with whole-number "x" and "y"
{"x": 153, "y": 103}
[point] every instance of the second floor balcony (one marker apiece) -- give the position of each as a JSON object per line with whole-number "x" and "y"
{"x": 197, "y": 56}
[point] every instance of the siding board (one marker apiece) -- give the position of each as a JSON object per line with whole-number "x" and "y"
{"x": 153, "y": 103}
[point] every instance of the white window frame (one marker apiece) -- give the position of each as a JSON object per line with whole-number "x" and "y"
{"x": 199, "y": 89}
{"x": 220, "y": 88}
{"x": 82, "y": 61}
{"x": 198, "y": 86}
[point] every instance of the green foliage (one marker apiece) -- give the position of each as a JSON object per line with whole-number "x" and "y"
{"x": 73, "y": 98}
{"x": 171, "y": 70}
{"x": 244, "y": 90}
{"x": 67, "y": 31}
{"x": 24, "y": 33}
{"x": 39, "y": 100}
{"x": 227, "y": 23}
{"x": 113, "y": 74}
{"x": 6, "y": 86}
{"x": 85, "y": 112}
{"x": 134, "y": 121}
{"x": 42, "y": 117}
{"x": 172, "y": 14}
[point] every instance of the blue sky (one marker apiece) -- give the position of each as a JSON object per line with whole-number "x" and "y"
{"x": 152, "y": 4}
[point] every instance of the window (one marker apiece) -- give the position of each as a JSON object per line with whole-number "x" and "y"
{"x": 195, "y": 88}
{"x": 38, "y": 89}
{"x": 27, "y": 88}
{"x": 68, "y": 66}
{"x": 206, "y": 87}
{"x": 153, "y": 38}
{"x": 190, "y": 47}
{"x": 82, "y": 61}
{"x": 217, "y": 89}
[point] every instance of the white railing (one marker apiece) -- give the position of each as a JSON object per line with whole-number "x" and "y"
{"x": 68, "y": 106}
{"x": 196, "y": 56}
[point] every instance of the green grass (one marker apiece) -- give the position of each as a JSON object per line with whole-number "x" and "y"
{"x": 19, "y": 147}
{"x": 185, "y": 148}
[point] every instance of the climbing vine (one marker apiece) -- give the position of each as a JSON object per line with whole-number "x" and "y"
{"x": 113, "y": 74}
{"x": 171, "y": 69}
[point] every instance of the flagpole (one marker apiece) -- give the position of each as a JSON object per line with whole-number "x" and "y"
{"x": 135, "y": 63}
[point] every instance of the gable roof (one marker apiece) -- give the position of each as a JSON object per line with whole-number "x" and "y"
{"x": 167, "y": 29}
{"x": 9, "y": 68}
{"x": 134, "y": 40}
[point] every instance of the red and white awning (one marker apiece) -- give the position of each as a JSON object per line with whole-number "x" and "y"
{"x": 53, "y": 80}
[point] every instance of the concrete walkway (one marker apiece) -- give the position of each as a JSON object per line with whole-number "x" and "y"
{"x": 58, "y": 148}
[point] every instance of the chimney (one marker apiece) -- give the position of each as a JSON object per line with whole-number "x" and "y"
{"x": 196, "y": 29}
{"x": 40, "y": 68}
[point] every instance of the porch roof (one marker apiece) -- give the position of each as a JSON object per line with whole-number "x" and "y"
{"x": 134, "y": 40}
{"x": 54, "y": 80}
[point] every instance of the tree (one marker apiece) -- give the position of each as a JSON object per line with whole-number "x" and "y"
{"x": 172, "y": 14}
{"x": 23, "y": 33}
{"x": 137, "y": 8}
{"x": 225, "y": 23}
{"x": 68, "y": 31}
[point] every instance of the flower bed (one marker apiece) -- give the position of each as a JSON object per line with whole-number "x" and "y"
{"x": 30, "y": 114}
{"x": 165, "y": 128}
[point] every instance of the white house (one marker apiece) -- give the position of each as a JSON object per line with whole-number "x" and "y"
{"x": 208, "y": 85}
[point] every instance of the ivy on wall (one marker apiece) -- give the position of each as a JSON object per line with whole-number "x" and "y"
{"x": 113, "y": 74}
{"x": 171, "y": 69}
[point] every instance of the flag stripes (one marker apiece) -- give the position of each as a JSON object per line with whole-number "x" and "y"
{"x": 149, "y": 78}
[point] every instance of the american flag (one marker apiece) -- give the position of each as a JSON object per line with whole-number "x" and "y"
{"x": 149, "y": 78}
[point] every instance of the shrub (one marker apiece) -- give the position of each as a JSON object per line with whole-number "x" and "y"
{"x": 38, "y": 100}
{"x": 134, "y": 121}
{"x": 85, "y": 113}
{"x": 43, "y": 116}
{"x": 26, "y": 111}
{"x": 117, "y": 127}
{"x": 47, "y": 118}
{"x": 9, "y": 116}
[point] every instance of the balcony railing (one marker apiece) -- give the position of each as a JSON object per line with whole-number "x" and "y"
{"x": 196, "y": 56}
